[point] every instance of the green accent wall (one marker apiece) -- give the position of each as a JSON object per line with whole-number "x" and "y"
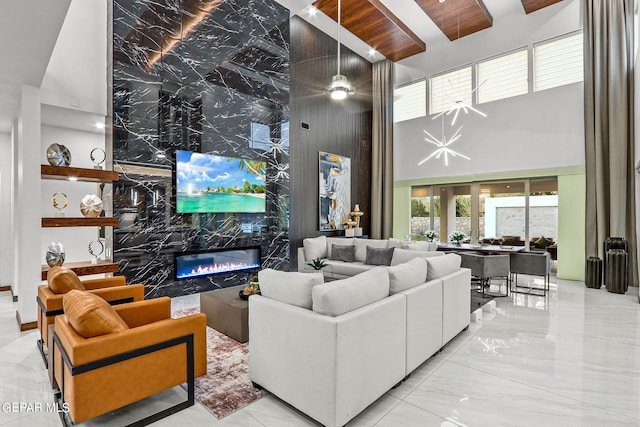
{"x": 571, "y": 210}
{"x": 571, "y": 226}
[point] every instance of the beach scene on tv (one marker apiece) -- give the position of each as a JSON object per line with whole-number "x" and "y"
{"x": 206, "y": 183}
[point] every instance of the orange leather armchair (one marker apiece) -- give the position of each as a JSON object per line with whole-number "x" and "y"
{"x": 103, "y": 373}
{"x": 112, "y": 289}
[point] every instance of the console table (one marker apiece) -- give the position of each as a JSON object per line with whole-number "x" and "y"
{"x": 486, "y": 249}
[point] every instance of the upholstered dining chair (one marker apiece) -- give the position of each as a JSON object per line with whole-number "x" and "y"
{"x": 534, "y": 263}
{"x": 105, "y": 357}
{"x": 61, "y": 280}
{"x": 487, "y": 267}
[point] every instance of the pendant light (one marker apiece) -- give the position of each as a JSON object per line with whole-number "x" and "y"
{"x": 340, "y": 87}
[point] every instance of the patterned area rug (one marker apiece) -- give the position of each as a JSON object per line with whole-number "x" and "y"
{"x": 226, "y": 386}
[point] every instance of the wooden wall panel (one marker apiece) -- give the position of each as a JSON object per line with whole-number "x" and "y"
{"x": 533, "y": 5}
{"x": 340, "y": 127}
{"x": 458, "y": 18}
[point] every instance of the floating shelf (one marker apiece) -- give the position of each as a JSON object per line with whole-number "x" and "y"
{"x": 80, "y": 222}
{"x": 85, "y": 268}
{"x": 67, "y": 173}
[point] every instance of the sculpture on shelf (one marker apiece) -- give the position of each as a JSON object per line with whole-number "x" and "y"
{"x": 91, "y": 206}
{"x": 58, "y": 155}
{"x": 55, "y": 254}
{"x": 356, "y": 214}
{"x": 98, "y": 156}
{"x": 59, "y": 201}
{"x": 349, "y": 227}
{"x": 96, "y": 248}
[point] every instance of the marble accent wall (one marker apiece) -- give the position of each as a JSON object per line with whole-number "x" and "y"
{"x": 202, "y": 76}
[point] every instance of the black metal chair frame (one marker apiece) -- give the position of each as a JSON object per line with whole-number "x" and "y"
{"x": 111, "y": 360}
{"x": 531, "y": 290}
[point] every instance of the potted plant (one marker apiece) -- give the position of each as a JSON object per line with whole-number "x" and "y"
{"x": 317, "y": 264}
{"x": 457, "y": 237}
{"x": 431, "y": 235}
{"x": 253, "y": 288}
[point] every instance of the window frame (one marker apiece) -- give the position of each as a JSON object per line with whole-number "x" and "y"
{"x": 547, "y": 41}
{"x": 442, "y": 73}
{"x": 525, "y": 48}
{"x": 426, "y": 94}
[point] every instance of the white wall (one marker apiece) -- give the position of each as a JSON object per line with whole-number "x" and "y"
{"x": 75, "y": 240}
{"x": 540, "y": 130}
{"x": 6, "y": 268}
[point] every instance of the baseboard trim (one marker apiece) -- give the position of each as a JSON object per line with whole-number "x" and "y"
{"x": 5, "y": 288}
{"x": 25, "y": 326}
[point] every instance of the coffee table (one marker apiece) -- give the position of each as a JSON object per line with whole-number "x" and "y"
{"x": 227, "y": 312}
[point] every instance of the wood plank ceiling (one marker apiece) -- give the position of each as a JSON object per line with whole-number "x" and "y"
{"x": 374, "y": 24}
{"x": 458, "y": 18}
{"x": 533, "y": 5}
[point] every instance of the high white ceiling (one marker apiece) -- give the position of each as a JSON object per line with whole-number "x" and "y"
{"x": 76, "y": 77}
{"x": 29, "y": 29}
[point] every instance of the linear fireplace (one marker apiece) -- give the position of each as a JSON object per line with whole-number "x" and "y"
{"x": 216, "y": 261}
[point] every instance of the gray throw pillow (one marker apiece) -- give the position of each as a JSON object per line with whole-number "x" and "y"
{"x": 346, "y": 253}
{"x": 379, "y": 256}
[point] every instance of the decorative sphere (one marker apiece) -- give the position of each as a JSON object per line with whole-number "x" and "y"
{"x": 55, "y": 254}
{"x": 91, "y": 206}
{"x": 58, "y": 155}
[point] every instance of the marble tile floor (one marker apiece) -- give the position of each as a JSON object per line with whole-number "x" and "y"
{"x": 569, "y": 359}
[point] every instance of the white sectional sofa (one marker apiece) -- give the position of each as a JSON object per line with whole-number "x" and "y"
{"x": 331, "y": 349}
{"x": 320, "y": 247}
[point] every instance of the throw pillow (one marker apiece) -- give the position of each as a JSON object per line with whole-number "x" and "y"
{"x": 379, "y": 256}
{"x": 442, "y": 265}
{"x": 344, "y": 253}
{"x": 315, "y": 247}
{"x": 542, "y": 242}
{"x": 401, "y": 256}
{"x": 90, "y": 315}
{"x": 62, "y": 280}
{"x": 407, "y": 275}
{"x": 363, "y": 244}
{"x": 342, "y": 296}
{"x": 289, "y": 287}
{"x": 338, "y": 241}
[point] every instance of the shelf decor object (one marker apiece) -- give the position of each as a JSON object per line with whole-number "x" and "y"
{"x": 98, "y": 156}
{"x": 55, "y": 254}
{"x": 91, "y": 206}
{"x": 58, "y": 155}
{"x": 59, "y": 201}
{"x": 96, "y": 248}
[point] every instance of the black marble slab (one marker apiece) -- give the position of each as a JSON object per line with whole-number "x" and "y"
{"x": 210, "y": 77}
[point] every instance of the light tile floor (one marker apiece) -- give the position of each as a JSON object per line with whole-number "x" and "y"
{"x": 569, "y": 359}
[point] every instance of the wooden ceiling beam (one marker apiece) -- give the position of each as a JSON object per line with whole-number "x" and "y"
{"x": 374, "y": 24}
{"x": 533, "y": 5}
{"x": 457, "y": 18}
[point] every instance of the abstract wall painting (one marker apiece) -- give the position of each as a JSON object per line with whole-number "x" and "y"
{"x": 335, "y": 190}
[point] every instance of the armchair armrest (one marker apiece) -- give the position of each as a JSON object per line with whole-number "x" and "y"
{"x": 85, "y": 350}
{"x": 142, "y": 313}
{"x": 106, "y": 282}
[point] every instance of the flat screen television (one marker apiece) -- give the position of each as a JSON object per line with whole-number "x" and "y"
{"x": 207, "y": 183}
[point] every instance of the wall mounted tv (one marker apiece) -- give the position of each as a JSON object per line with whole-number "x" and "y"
{"x": 207, "y": 183}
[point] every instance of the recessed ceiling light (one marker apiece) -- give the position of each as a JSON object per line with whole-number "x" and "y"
{"x": 73, "y": 178}
{"x": 372, "y": 52}
{"x": 442, "y": 1}
{"x": 99, "y": 125}
{"x": 312, "y": 11}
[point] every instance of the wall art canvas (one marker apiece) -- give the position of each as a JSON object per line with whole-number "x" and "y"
{"x": 335, "y": 190}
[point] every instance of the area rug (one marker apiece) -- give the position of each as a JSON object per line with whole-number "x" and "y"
{"x": 226, "y": 387}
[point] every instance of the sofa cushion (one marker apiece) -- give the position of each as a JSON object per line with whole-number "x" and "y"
{"x": 403, "y": 255}
{"x": 289, "y": 287}
{"x": 342, "y": 296}
{"x": 348, "y": 268}
{"x": 421, "y": 246}
{"x": 344, "y": 253}
{"x": 396, "y": 243}
{"x": 442, "y": 265}
{"x": 379, "y": 256}
{"x": 363, "y": 244}
{"x": 338, "y": 241}
{"x": 90, "y": 315}
{"x": 315, "y": 247}
{"x": 62, "y": 280}
{"x": 405, "y": 276}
